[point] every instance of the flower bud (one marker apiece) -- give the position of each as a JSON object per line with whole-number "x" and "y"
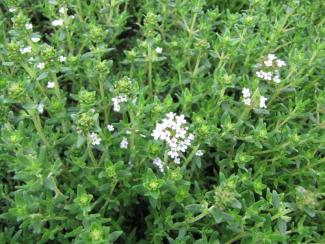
{"x": 85, "y": 122}
{"x": 16, "y": 91}
{"x": 87, "y": 99}
{"x": 48, "y": 52}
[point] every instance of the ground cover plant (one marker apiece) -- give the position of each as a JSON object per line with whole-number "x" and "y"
{"x": 162, "y": 121}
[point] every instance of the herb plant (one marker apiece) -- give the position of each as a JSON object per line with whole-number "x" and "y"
{"x": 173, "y": 121}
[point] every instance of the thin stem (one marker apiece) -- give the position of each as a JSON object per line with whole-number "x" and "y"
{"x": 180, "y": 78}
{"x": 237, "y": 237}
{"x": 166, "y": 157}
{"x": 290, "y": 116}
{"x": 37, "y": 123}
{"x": 58, "y": 94}
{"x": 32, "y": 74}
{"x": 149, "y": 58}
{"x": 113, "y": 186}
{"x": 110, "y": 16}
{"x": 243, "y": 114}
{"x": 196, "y": 218}
{"x": 81, "y": 48}
{"x": 90, "y": 153}
{"x": 102, "y": 94}
{"x": 190, "y": 157}
{"x": 79, "y": 10}
{"x": 196, "y": 68}
{"x": 192, "y": 24}
{"x": 197, "y": 64}
{"x": 69, "y": 35}
{"x": 131, "y": 70}
{"x": 132, "y": 139}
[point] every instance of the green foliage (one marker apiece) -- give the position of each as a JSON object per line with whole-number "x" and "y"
{"x": 162, "y": 121}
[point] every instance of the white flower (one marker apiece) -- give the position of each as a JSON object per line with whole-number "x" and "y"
{"x": 262, "y": 102}
{"x": 124, "y": 143}
{"x": 271, "y": 57}
{"x": 95, "y": 139}
{"x": 268, "y": 76}
{"x": 264, "y": 75}
{"x": 50, "y": 84}
{"x": 174, "y": 132}
{"x": 62, "y": 59}
{"x": 35, "y": 39}
{"x": 159, "y": 50}
{"x": 276, "y": 78}
{"x": 117, "y": 100}
{"x": 110, "y": 127}
{"x": 246, "y": 92}
{"x": 116, "y": 104}
{"x": 260, "y": 74}
{"x": 159, "y": 164}
{"x": 280, "y": 63}
{"x": 62, "y": 10}
{"x": 247, "y": 101}
{"x": 40, "y": 65}
{"x": 199, "y": 153}
{"x": 274, "y": 74}
{"x": 268, "y": 63}
{"x": 40, "y": 108}
{"x": 12, "y": 10}
{"x": 25, "y": 50}
{"x": 177, "y": 161}
{"x": 28, "y": 26}
{"x": 57, "y": 22}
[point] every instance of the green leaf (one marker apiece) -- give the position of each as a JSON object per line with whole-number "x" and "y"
{"x": 49, "y": 183}
{"x": 42, "y": 76}
{"x": 115, "y": 235}
{"x": 81, "y": 140}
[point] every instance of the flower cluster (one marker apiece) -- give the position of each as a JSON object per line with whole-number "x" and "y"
{"x": 57, "y": 22}
{"x": 117, "y": 100}
{"x": 50, "y": 84}
{"x": 124, "y": 143}
{"x": 159, "y": 50}
{"x": 40, "y": 65}
{"x": 24, "y": 50}
{"x": 159, "y": 164}
{"x": 247, "y": 96}
{"x": 28, "y": 26}
{"x": 248, "y": 101}
{"x": 95, "y": 139}
{"x": 35, "y": 39}
{"x": 271, "y": 68}
{"x": 110, "y": 127}
{"x": 262, "y": 102}
{"x": 199, "y": 153}
{"x": 174, "y": 132}
{"x": 40, "y": 108}
{"x": 62, "y": 10}
{"x": 62, "y": 59}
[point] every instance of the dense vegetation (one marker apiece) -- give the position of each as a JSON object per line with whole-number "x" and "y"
{"x": 173, "y": 121}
